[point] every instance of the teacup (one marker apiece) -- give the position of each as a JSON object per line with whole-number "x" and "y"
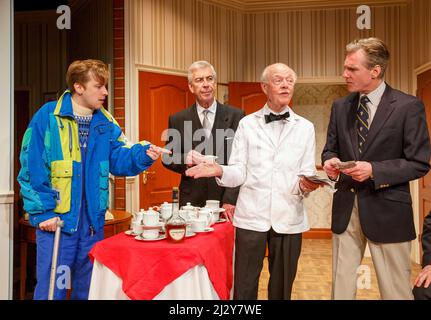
{"x": 213, "y": 204}
{"x": 207, "y": 214}
{"x": 137, "y": 227}
{"x": 151, "y": 218}
{"x": 166, "y": 210}
{"x": 150, "y": 233}
{"x": 199, "y": 225}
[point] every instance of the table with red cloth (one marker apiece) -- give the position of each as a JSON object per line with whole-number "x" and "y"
{"x": 147, "y": 267}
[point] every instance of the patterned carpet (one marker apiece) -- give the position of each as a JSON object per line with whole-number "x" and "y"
{"x": 313, "y": 279}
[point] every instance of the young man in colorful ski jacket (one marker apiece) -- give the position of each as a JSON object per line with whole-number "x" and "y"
{"x": 68, "y": 150}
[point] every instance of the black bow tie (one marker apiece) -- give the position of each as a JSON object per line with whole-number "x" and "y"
{"x": 275, "y": 117}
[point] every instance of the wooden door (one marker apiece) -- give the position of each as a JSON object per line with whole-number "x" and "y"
{"x": 160, "y": 95}
{"x": 424, "y": 93}
{"x": 246, "y": 95}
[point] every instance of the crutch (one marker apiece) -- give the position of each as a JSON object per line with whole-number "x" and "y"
{"x": 60, "y": 224}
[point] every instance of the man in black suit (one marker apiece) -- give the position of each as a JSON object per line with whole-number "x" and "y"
{"x": 385, "y": 132}
{"x": 206, "y": 128}
{"x": 422, "y": 289}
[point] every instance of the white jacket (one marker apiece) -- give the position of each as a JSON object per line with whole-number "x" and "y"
{"x": 268, "y": 173}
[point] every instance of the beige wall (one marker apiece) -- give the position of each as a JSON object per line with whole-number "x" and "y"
{"x": 312, "y": 42}
{"x": 313, "y": 102}
{"x": 171, "y": 34}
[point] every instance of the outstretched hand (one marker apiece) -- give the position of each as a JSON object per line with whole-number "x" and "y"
{"x": 205, "y": 170}
{"x": 194, "y": 158}
{"x": 154, "y": 152}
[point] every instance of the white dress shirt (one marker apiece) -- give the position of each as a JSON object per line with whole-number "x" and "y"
{"x": 267, "y": 170}
{"x": 277, "y": 126}
{"x": 375, "y": 98}
{"x": 211, "y": 112}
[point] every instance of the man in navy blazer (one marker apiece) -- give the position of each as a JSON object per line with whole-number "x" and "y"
{"x": 385, "y": 132}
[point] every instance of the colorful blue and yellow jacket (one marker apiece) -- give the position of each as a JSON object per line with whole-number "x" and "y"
{"x": 50, "y": 175}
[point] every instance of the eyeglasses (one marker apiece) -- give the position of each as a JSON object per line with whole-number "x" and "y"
{"x": 278, "y": 81}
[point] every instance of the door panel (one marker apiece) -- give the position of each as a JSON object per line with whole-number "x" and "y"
{"x": 160, "y": 95}
{"x": 246, "y": 95}
{"x": 424, "y": 93}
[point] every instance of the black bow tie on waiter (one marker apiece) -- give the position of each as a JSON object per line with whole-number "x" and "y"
{"x": 275, "y": 117}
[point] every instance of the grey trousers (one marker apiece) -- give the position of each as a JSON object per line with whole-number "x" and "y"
{"x": 283, "y": 255}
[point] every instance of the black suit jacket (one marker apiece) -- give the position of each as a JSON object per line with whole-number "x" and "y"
{"x": 426, "y": 241}
{"x": 197, "y": 191}
{"x": 398, "y": 148}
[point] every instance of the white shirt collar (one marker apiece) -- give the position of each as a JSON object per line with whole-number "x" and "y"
{"x": 376, "y": 95}
{"x": 212, "y": 108}
{"x": 268, "y": 110}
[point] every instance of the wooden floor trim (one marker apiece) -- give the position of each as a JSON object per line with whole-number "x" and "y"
{"x": 318, "y": 233}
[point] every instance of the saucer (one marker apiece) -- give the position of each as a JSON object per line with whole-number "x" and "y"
{"x": 191, "y": 234}
{"x": 207, "y": 229}
{"x": 219, "y": 210}
{"x": 130, "y": 233}
{"x": 161, "y": 237}
{"x": 221, "y": 220}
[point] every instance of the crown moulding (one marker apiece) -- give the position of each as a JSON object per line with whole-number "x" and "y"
{"x": 255, "y": 6}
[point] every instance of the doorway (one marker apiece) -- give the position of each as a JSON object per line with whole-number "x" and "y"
{"x": 160, "y": 95}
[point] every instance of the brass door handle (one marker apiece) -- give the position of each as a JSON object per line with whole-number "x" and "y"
{"x": 145, "y": 176}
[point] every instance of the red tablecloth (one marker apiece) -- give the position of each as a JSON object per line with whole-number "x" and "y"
{"x": 146, "y": 267}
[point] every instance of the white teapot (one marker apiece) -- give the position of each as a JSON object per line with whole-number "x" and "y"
{"x": 137, "y": 222}
{"x": 191, "y": 212}
{"x": 151, "y": 218}
{"x": 138, "y": 216}
{"x": 166, "y": 210}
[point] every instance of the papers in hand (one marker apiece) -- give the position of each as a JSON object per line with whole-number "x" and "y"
{"x": 317, "y": 179}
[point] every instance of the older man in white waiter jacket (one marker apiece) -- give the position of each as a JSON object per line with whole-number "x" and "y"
{"x": 271, "y": 148}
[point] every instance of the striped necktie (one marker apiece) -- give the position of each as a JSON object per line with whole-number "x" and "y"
{"x": 206, "y": 124}
{"x": 363, "y": 116}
